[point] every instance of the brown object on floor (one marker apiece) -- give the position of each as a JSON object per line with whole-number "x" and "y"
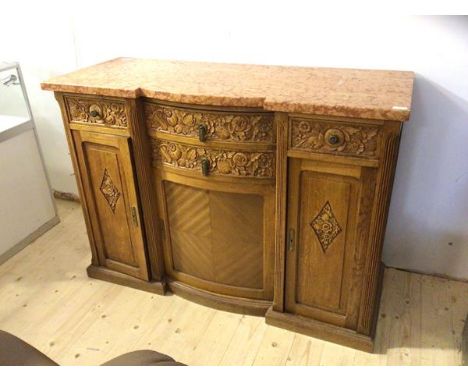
{"x": 16, "y": 352}
{"x": 142, "y": 358}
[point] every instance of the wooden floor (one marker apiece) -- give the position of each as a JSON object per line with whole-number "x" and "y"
{"x": 47, "y": 300}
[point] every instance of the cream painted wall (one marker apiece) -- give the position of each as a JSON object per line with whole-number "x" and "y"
{"x": 428, "y": 223}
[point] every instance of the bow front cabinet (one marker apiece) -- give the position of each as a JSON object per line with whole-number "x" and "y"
{"x": 256, "y": 189}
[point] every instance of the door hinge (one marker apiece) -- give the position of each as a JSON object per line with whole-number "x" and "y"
{"x": 135, "y": 216}
{"x": 290, "y": 239}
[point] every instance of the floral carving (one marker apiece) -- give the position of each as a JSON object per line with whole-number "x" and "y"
{"x": 326, "y": 226}
{"x": 338, "y": 138}
{"x": 93, "y": 111}
{"x": 222, "y": 162}
{"x": 109, "y": 190}
{"x": 240, "y": 127}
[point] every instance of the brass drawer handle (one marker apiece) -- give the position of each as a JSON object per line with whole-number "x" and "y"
{"x": 205, "y": 167}
{"x": 202, "y": 130}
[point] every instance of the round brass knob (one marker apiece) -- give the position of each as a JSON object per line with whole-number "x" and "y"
{"x": 333, "y": 139}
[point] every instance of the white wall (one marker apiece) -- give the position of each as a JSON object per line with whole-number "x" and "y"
{"x": 429, "y": 208}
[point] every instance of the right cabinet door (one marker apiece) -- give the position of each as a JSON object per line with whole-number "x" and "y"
{"x": 329, "y": 207}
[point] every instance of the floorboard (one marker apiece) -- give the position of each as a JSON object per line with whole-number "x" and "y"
{"x": 47, "y": 299}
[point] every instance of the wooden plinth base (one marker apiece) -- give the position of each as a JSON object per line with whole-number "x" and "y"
{"x": 230, "y": 304}
{"x": 320, "y": 330}
{"x": 106, "y": 274}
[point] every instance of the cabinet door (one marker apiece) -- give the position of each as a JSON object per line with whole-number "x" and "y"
{"x": 109, "y": 186}
{"x": 218, "y": 236}
{"x": 323, "y": 263}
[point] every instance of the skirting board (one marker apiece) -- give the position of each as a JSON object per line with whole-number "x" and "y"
{"x": 440, "y": 275}
{"x": 66, "y": 196}
{"x": 29, "y": 239}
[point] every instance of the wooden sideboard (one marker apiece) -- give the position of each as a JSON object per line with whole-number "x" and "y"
{"x": 256, "y": 189}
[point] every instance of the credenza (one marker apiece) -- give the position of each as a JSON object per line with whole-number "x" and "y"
{"x": 256, "y": 189}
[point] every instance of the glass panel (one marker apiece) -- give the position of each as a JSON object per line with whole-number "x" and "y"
{"x": 13, "y": 107}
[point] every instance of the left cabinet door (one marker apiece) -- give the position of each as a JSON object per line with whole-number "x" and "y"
{"x": 108, "y": 179}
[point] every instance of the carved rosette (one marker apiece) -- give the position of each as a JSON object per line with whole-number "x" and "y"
{"x": 240, "y": 127}
{"x": 100, "y": 112}
{"x": 326, "y": 226}
{"x": 222, "y": 162}
{"x": 348, "y": 139}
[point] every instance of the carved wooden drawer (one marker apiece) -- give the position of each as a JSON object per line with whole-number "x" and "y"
{"x": 334, "y": 137}
{"x": 208, "y": 161}
{"x": 203, "y": 125}
{"x": 95, "y": 111}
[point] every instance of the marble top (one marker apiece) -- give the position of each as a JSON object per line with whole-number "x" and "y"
{"x": 357, "y": 93}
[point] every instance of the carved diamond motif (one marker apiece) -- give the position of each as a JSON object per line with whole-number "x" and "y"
{"x": 109, "y": 190}
{"x": 326, "y": 226}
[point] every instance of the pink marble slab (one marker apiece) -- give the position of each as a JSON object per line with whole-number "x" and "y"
{"x": 357, "y": 93}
